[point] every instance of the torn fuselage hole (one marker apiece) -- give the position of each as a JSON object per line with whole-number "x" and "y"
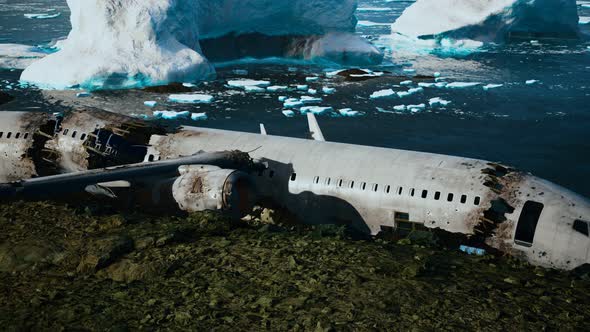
{"x": 491, "y": 218}
{"x": 45, "y": 160}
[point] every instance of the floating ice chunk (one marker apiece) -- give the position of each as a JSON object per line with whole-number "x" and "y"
{"x": 416, "y": 90}
{"x": 408, "y": 82}
{"x": 312, "y": 79}
{"x": 487, "y": 21}
{"x": 416, "y": 108}
{"x": 426, "y": 85}
{"x": 382, "y": 94}
{"x": 341, "y": 47}
{"x": 440, "y": 79}
{"x": 150, "y": 103}
{"x": 409, "y": 70}
{"x": 436, "y": 74}
{"x": 531, "y": 82}
{"x": 170, "y": 115}
{"x": 328, "y": 91}
{"x": 82, "y": 94}
{"x": 410, "y": 92}
{"x": 382, "y": 110}
{"x": 42, "y": 16}
{"x": 243, "y": 83}
{"x": 434, "y": 102}
{"x": 254, "y": 88}
{"x": 191, "y": 98}
{"x": 462, "y": 85}
{"x": 292, "y": 103}
{"x": 302, "y": 87}
{"x": 334, "y": 73}
{"x": 492, "y": 86}
{"x": 403, "y": 94}
{"x": 288, "y": 113}
{"x": 315, "y": 109}
{"x": 440, "y": 84}
{"x": 584, "y": 20}
{"x": 348, "y": 112}
{"x": 189, "y": 85}
{"x": 400, "y": 108}
{"x": 282, "y": 98}
{"x": 312, "y": 91}
{"x": 310, "y": 100}
{"x": 277, "y": 88}
{"x": 241, "y": 72}
{"x": 198, "y": 116}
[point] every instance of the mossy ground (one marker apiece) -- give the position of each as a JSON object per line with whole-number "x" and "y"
{"x": 70, "y": 269}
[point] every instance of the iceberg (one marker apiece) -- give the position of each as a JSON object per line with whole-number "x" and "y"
{"x": 191, "y": 98}
{"x": 127, "y": 43}
{"x": 488, "y": 21}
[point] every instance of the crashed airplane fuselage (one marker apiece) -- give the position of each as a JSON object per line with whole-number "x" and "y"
{"x": 372, "y": 189}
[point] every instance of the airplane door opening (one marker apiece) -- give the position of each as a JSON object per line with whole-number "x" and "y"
{"x": 527, "y": 223}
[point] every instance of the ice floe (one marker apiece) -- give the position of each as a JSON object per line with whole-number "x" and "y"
{"x": 288, "y": 113}
{"x": 531, "y": 82}
{"x": 243, "y": 83}
{"x": 43, "y": 16}
{"x": 150, "y": 103}
{"x": 408, "y": 82}
{"x": 312, "y": 79}
{"x": 315, "y": 109}
{"x": 462, "y": 85}
{"x": 348, "y": 112}
{"x": 312, "y": 91}
{"x": 191, "y": 98}
{"x": 382, "y": 94}
{"x": 171, "y": 115}
{"x": 403, "y": 94}
{"x": 492, "y": 86}
{"x": 277, "y": 88}
{"x": 328, "y": 90}
{"x": 302, "y": 87}
{"x": 198, "y": 116}
{"x": 437, "y": 101}
{"x": 282, "y": 98}
{"x": 254, "y": 88}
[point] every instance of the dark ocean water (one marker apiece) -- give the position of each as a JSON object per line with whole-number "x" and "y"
{"x": 543, "y": 128}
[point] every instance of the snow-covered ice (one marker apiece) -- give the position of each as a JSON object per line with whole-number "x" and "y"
{"x": 189, "y": 85}
{"x": 487, "y": 21}
{"x": 43, "y": 16}
{"x": 191, "y": 98}
{"x": 382, "y": 94}
{"x": 348, "y": 112}
{"x": 282, "y": 98}
{"x": 531, "y": 82}
{"x": 170, "y": 115}
{"x": 254, "y": 88}
{"x": 492, "y": 86}
{"x": 312, "y": 91}
{"x": 328, "y": 90}
{"x": 277, "y": 88}
{"x": 408, "y": 82}
{"x": 315, "y": 109}
{"x": 426, "y": 85}
{"x": 292, "y": 103}
{"x": 434, "y": 102}
{"x": 288, "y": 113}
{"x": 462, "y": 85}
{"x": 150, "y": 103}
{"x": 310, "y": 100}
{"x": 243, "y": 83}
{"x": 302, "y": 87}
{"x": 416, "y": 108}
{"x": 312, "y": 79}
{"x": 403, "y": 94}
{"x": 400, "y": 107}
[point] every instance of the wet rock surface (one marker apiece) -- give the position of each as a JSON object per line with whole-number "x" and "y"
{"x": 203, "y": 272}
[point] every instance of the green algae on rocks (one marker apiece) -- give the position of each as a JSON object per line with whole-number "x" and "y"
{"x": 64, "y": 268}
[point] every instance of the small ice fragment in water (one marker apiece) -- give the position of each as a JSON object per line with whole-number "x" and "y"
{"x": 198, "y": 116}
{"x": 328, "y": 91}
{"x": 191, "y": 98}
{"x": 472, "y": 251}
{"x": 382, "y": 94}
{"x": 312, "y": 79}
{"x": 82, "y": 94}
{"x": 409, "y": 70}
{"x": 243, "y": 83}
{"x": 315, "y": 109}
{"x": 348, "y": 112}
{"x": 292, "y": 103}
{"x": 441, "y": 84}
{"x": 288, "y": 113}
{"x": 410, "y": 92}
{"x": 426, "y": 85}
{"x": 416, "y": 108}
{"x": 440, "y": 79}
{"x": 438, "y": 102}
{"x": 310, "y": 100}
{"x": 492, "y": 86}
{"x": 150, "y": 103}
{"x": 276, "y": 88}
{"x": 302, "y": 87}
{"x": 400, "y": 107}
{"x": 437, "y": 74}
{"x": 40, "y": 16}
{"x": 170, "y": 115}
{"x": 334, "y": 73}
{"x": 408, "y": 82}
{"x": 282, "y": 98}
{"x": 189, "y": 85}
{"x": 312, "y": 91}
{"x": 534, "y": 42}
{"x": 254, "y": 88}
{"x": 462, "y": 85}
{"x": 530, "y": 82}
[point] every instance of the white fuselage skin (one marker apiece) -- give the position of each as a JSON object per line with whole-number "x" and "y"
{"x": 376, "y": 188}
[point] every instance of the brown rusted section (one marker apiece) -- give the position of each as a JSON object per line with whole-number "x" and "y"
{"x": 198, "y": 186}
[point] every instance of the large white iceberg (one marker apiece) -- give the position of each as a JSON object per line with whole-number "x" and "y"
{"x": 488, "y": 20}
{"x": 130, "y": 43}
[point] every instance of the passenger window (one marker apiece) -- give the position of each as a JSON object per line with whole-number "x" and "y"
{"x": 271, "y": 174}
{"x": 400, "y": 190}
{"x": 401, "y": 216}
{"x": 151, "y": 157}
{"x": 74, "y": 134}
{"x": 66, "y": 131}
{"x": 293, "y": 176}
{"x": 412, "y": 192}
{"x": 17, "y": 135}
{"x": 477, "y": 200}
{"x": 581, "y": 226}
{"x": 1, "y": 133}
{"x": 375, "y": 187}
{"x": 387, "y": 189}
{"x": 463, "y": 199}
{"x": 527, "y": 223}
{"x": 340, "y": 182}
{"x": 26, "y": 136}
{"x": 328, "y": 180}
{"x": 8, "y": 135}
{"x": 363, "y": 185}
{"x": 450, "y": 197}
{"x": 437, "y": 195}
{"x": 351, "y": 184}
{"x": 424, "y": 193}
{"x": 316, "y": 180}
{"x": 82, "y": 137}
